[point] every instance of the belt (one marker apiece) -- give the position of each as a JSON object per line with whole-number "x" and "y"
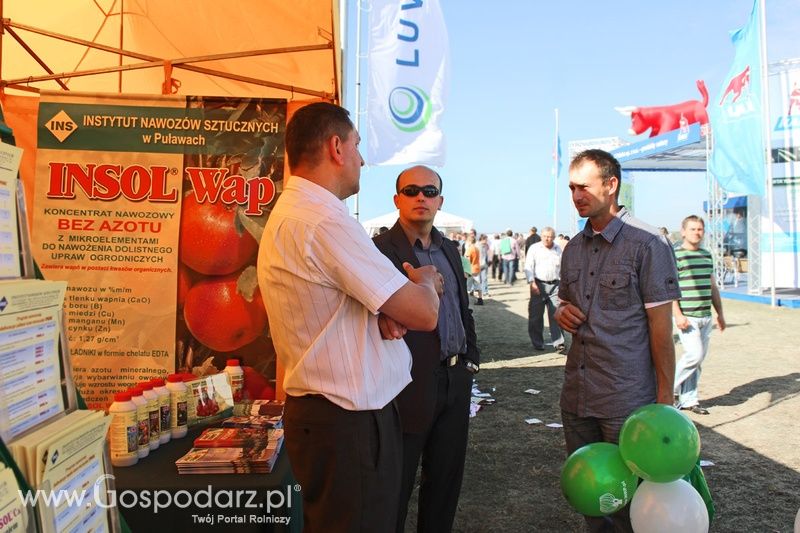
{"x": 450, "y": 360}
{"x": 553, "y": 282}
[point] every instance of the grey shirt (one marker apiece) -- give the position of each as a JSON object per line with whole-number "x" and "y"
{"x": 610, "y": 276}
{"x": 452, "y": 337}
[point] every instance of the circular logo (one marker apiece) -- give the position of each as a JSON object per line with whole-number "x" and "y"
{"x": 410, "y": 108}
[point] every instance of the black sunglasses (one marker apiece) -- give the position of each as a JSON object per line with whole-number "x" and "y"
{"x": 429, "y": 191}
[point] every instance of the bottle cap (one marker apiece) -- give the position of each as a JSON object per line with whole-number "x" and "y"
{"x": 145, "y": 385}
{"x": 136, "y": 391}
{"x": 175, "y": 378}
{"x": 157, "y": 382}
{"x": 233, "y": 362}
{"x": 122, "y": 396}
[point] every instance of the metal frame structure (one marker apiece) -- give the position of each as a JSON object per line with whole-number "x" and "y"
{"x": 10, "y": 28}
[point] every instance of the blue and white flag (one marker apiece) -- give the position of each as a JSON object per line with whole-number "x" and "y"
{"x": 408, "y": 76}
{"x": 737, "y": 160}
{"x": 559, "y": 164}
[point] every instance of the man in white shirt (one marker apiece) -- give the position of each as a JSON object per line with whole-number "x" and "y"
{"x": 542, "y": 266}
{"x": 323, "y": 284}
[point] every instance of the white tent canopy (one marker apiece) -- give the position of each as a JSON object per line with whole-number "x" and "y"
{"x": 444, "y": 222}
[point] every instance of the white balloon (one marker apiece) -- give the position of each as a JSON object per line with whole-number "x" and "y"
{"x": 668, "y": 507}
{"x": 797, "y": 522}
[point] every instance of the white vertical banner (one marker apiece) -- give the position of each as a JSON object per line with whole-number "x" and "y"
{"x": 408, "y": 76}
{"x": 785, "y": 223}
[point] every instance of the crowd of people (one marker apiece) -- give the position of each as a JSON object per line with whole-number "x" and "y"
{"x": 378, "y": 342}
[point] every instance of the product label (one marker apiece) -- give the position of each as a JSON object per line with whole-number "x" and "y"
{"x": 179, "y": 408}
{"x": 237, "y": 384}
{"x": 124, "y": 434}
{"x": 143, "y": 420}
{"x": 165, "y": 419}
{"x": 155, "y": 423}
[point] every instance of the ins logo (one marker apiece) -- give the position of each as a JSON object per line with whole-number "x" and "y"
{"x": 410, "y": 108}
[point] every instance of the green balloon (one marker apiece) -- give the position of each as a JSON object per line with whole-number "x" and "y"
{"x": 659, "y": 443}
{"x": 595, "y": 480}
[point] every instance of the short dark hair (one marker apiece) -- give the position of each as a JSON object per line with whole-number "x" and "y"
{"x": 397, "y": 181}
{"x": 606, "y": 163}
{"x": 692, "y": 218}
{"x": 310, "y": 128}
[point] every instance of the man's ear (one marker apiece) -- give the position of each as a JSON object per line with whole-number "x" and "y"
{"x": 335, "y": 149}
{"x": 395, "y": 198}
{"x": 613, "y": 186}
{"x": 441, "y": 201}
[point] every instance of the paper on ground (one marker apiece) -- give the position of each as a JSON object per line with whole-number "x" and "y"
{"x": 532, "y": 421}
{"x": 554, "y": 425}
{"x": 532, "y": 391}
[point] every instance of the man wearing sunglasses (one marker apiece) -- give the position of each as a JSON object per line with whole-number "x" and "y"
{"x": 434, "y": 407}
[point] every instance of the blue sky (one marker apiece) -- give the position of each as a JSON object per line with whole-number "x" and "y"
{"x": 512, "y": 62}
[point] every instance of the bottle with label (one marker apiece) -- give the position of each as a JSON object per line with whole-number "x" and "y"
{"x": 178, "y": 405}
{"x": 143, "y": 421}
{"x": 123, "y": 435}
{"x": 236, "y": 378}
{"x": 153, "y": 414}
{"x": 160, "y": 388}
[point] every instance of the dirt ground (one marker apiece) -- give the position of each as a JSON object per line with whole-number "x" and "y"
{"x": 750, "y": 383}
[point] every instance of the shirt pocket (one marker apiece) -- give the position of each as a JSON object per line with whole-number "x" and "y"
{"x": 569, "y": 286}
{"x": 615, "y": 291}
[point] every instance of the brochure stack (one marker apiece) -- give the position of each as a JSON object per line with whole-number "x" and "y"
{"x": 54, "y": 462}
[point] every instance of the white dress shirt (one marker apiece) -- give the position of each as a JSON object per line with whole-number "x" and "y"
{"x": 323, "y": 281}
{"x": 542, "y": 263}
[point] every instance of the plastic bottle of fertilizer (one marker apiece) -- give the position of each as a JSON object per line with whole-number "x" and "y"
{"x": 178, "y": 405}
{"x": 160, "y": 388}
{"x": 236, "y": 378}
{"x": 153, "y": 414}
{"x": 123, "y": 435}
{"x": 143, "y": 420}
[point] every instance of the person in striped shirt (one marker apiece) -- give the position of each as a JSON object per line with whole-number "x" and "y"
{"x": 692, "y": 313}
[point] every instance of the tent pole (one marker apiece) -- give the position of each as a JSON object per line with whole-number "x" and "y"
{"x": 35, "y": 56}
{"x": 556, "y": 156}
{"x": 765, "y": 117}
{"x": 177, "y": 63}
{"x": 137, "y": 55}
{"x": 2, "y": 31}
{"x": 160, "y": 63}
{"x": 121, "y": 42}
{"x": 358, "y": 90}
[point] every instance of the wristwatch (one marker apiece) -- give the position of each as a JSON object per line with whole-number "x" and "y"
{"x": 474, "y": 368}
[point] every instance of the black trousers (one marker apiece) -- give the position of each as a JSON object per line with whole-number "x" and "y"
{"x": 347, "y": 463}
{"x": 442, "y": 448}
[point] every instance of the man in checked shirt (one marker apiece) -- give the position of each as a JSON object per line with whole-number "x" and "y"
{"x": 618, "y": 281}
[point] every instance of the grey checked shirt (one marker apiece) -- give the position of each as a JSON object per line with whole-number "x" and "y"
{"x": 610, "y": 276}
{"x": 453, "y": 338}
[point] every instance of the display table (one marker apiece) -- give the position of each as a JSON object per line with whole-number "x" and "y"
{"x": 152, "y": 496}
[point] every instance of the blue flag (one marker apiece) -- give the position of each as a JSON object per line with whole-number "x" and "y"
{"x": 737, "y": 160}
{"x": 557, "y": 156}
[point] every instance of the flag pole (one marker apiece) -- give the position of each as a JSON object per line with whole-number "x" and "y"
{"x": 358, "y": 88}
{"x": 556, "y": 157}
{"x": 765, "y": 120}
